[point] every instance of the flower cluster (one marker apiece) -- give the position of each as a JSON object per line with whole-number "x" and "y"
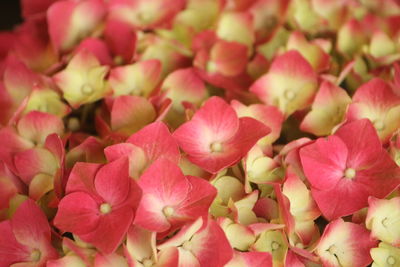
{"x": 186, "y": 133}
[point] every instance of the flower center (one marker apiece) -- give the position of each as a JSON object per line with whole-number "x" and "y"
{"x": 216, "y": 147}
{"x": 86, "y": 89}
{"x": 274, "y": 245}
{"x": 105, "y": 208}
{"x": 35, "y": 255}
{"x": 289, "y": 94}
{"x": 350, "y": 173}
{"x": 168, "y": 211}
{"x": 379, "y": 125}
{"x": 391, "y": 260}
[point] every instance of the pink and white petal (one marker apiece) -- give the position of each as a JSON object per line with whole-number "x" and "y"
{"x": 40, "y": 185}
{"x": 97, "y": 48}
{"x": 131, "y": 113}
{"x": 210, "y": 245}
{"x": 251, "y": 259}
{"x": 168, "y": 257}
{"x": 185, "y": 234}
{"x": 184, "y": 85}
{"x": 70, "y": 21}
{"x": 11, "y": 143}
{"x": 110, "y": 230}
{"x": 187, "y": 259}
{"x": 150, "y": 215}
{"x": 324, "y": 162}
{"x": 165, "y": 181}
{"x": 141, "y": 243}
{"x": 198, "y": 200}
{"x": 112, "y": 181}
{"x": 218, "y": 118}
{"x": 36, "y": 126}
{"x": 345, "y": 244}
{"x": 137, "y": 157}
{"x": 140, "y": 78}
{"x": 109, "y": 260}
{"x": 78, "y": 219}
{"x": 383, "y": 219}
{"x": 30, "y": 224}
{"x": 34, "y": 161}
{"x": 290, "y": 83}
{"x": 302, "y": 205}
{"x": 11, "y": 251}
{"x": 228, "y": 58}
{"x": 157, "y": 142}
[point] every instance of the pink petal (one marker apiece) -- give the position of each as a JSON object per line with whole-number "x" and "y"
{"x": 34, "y": 7}
{"x": 345, "y": 198}
{"x": 324, "y": 162}
{"x": 121, "y": 39}
{"x": 229, "y": 58}
{"x": 78, "y": 219}
{"x": 112, "y": 181}
{"x": 157, "y": 142}
{"x": 111, "y": 230}
{"x": 163, "y": 184}
{"x": 10, "y": 250}
{"x": 34, "y": 161}
{"x": 362, "y": 142}
{"x": 36, "y": 126}
{"x": 131, "y": 113}
{"x": 210, "y": 245}
{"x": 82, "y": 177}
{"x": 198, "y": 200}
{"x": 30, "y": 224}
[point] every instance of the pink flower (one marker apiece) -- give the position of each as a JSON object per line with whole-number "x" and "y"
{"x": 144, "y": 147}
{"x": 348, "y": 167}
{"x": 345, "y": 244}
{"x": 171, "y": 199}
{"x": 216, "y": 138}
{"x": 107, "y": 199}
{"x": 25, "y": 240}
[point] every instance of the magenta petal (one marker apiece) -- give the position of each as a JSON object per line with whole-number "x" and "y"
{"x": 110, "y": 230}
{"x": 112, "y": 181}
{"x": 324, "y": 162}
{"x": 78, "y": 213}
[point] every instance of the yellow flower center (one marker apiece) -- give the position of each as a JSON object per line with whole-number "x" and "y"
{"x": 216, "y": 147}
{"x": 168, "y": 211}
{"x": 289, "y": 94}
{"x": 275, "y": 245}
{"x": 350, "y": 173}
{"x": 35, "y": 255}
{"x": 105, "y": 208}
{"x": 86, "y": 89}
{"x": 391, "y": 260}
{"x": 379, "y": 125}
